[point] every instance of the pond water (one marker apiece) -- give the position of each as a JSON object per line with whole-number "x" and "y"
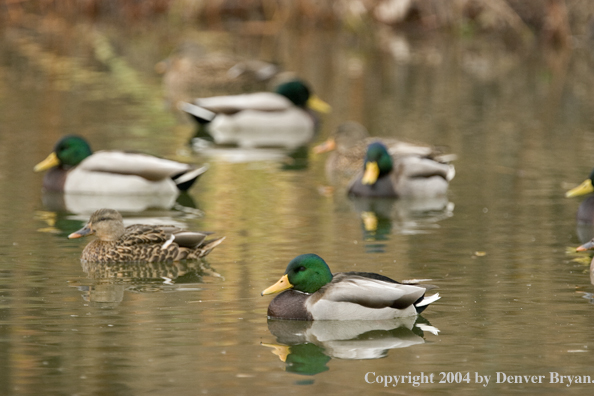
{"x": 516, "y": 299}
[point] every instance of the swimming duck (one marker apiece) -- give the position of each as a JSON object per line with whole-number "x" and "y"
{"x": 405, "y": 177}
{"x": 74, "y": 168}
{"x": 312, "y": 292}
{"x": 348, "y": 146}
{"x": 192, "y": 70}
{"x": 138, "y": 242}
{"x": 585, "y": 213}
{"x": 277, "y": 119}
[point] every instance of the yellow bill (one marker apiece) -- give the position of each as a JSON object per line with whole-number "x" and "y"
{"x": 317, "y": 104}
{"x": 371, "y": 173}
{"x": 583, "y": 189}
{"x": 51, "y": 161}
{"x": 282, "y": 284}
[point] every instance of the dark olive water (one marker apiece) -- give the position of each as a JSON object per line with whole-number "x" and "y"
{"x": 514, "y": 298}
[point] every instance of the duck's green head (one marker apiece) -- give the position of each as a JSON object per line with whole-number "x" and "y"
{"x": 69, "y": 151}
{"x": 300, "y": 95}
{"x": 586, "y": 187}
{"x": 306, "y": 273}
{"x": 378, "y": 163}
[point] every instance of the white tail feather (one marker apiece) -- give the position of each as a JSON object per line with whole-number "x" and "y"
{"x": 192, "y": 174}
{"x": 430, "y": 329}
{"x": 168, "y": 242}
{"x": 451, "y": 173}
{"x": 197, "y": 111}
{"x": 428, "y": 300}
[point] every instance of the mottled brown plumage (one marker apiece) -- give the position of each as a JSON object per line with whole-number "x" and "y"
{"x": 140, "y": 243}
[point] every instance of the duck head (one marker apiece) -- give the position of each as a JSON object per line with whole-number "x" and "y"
{"x": 378, "y": 163}
{"x": 306, "y": 273}
{"x": 300, "y": 95}
{"x": 68, "y": 151}
{"x": 107, "y": 224}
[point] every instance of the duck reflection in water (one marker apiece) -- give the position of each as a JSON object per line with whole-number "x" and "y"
{"x": 289, "y": 159}
{"x": 587, "y": 247}
{"x": 585, "y": 212}
{"x": 381, "y": 217}
{"x": 108, "y": 282}
{"x": 87, "y": 204}
{"x": 307, "y": 346}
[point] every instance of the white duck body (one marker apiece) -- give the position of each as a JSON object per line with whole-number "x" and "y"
{"x": 121, "y": 173}
{"x": 422, "y": 177}
{"x": 262, "y": 119}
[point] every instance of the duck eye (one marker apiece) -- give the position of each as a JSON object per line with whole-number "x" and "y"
{"x": 302, "y": 268}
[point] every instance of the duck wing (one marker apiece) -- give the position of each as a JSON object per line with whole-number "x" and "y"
{"x": 417, "y": 167}
{"x": 398, "y": 148}
{"x": 377, "y": 292}
{"x": 124, "y": 163}
{"x": 140, "y": 234}
{"x": 261, "y": 101}
{"x": 164, "y": 235}
{"x": 189, "y": 239}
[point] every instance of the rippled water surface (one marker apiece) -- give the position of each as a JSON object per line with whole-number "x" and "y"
{"x": 515, "y": 298}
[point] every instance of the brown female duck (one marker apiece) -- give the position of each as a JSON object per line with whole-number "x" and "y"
{"x": 140, "y": 243}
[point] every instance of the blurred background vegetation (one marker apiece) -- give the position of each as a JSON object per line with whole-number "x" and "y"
{"x": 515, "y": 22}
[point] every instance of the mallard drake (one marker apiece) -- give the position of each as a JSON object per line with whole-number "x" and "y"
{"x": 282, "y": 118}
{"x": 348, "y": 146}
{"x": 406, "y": 177}
{"x": 312, "y": 292}
{"x": 138, "y": 242}
{"x": 74, "y": 168}
{"x": 585, "y": 213}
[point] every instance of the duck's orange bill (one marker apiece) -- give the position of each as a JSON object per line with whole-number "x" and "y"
{"x": 585, "y": 246}
{"x": 86, "y": 230}
{"x": 324, "y": 147}
{"x": 282, "y": 284}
